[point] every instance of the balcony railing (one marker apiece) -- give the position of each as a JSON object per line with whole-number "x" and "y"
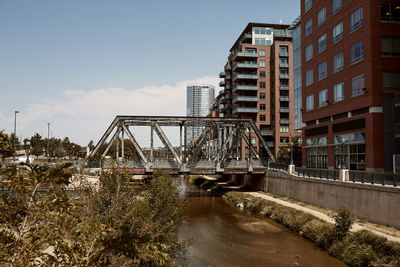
{"x": 284, "y": 98}
{"x": 267, "y": 132}
{"x": 245, "y": 77}
{"x": 284, "y": 87}
{"x": 283, "y": 53}
{"x": 227, "y": 67}
{"x": 227, "y": 77}
{"x": 222, "y": 74}
{"x": 284, "y": 121}
{"x": 270, "y": 143}
{"x": 227, "y": 86}
{"x": 222, "y": 83}
{"x": 245, "y": 110}
{"x": 284, "y": 76}
{"x": 245, "y": 99}
{"x": 282, "y": 65}
{"x": 245, "y": 88}
{"x": 245, "y": 66}
{"x": 245, "y": 54}
{"x": 284, "y": 110}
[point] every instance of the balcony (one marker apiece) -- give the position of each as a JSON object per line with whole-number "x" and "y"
{"x": 245, "y": 88}
{"x": 222, "y": 83}
{"x": 284, "y": 121}
{"x": 284, "y": 110}
{"x": 284, "y": 87}
{"x": 227, "y": 86}
{"x": 248, "y": 35}
{"x": 227, "y": 67}
{"x": 270, "y": 143}
{"x": 245, "y": 99}
{"x": 244, "y": 55}
{"x": 283, "y": 53}
{"x": 245, "y": 66}
{"x": 284, "y": 76}
{"x": 284, "y": 98}
{"x": 245, "y": 110}
{"x": 245, "y": 77}
{"x": 281, "y": 65}
{"x": 228, "y": 77}
{"x": 267, "y": 132}
{"x": 222, "y": 74}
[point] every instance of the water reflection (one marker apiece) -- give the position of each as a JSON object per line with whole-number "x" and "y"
{"x": 227, "y": 236}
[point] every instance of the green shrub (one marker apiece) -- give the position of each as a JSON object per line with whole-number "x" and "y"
{"x": 343, "y": 222}
{"x": 358, "y": 255}
{"x": 257, "y": 206}
{"x": 318, "y": 232}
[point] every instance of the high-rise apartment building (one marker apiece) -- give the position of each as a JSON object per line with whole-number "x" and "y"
{"x": 198, "y": 104}
{"x": 350, "y": 83}
{"x": 258, "y": 83}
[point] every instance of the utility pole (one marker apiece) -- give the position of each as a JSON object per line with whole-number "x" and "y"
{"x": 48, "y": 141}
{"x": 15, "y": 129}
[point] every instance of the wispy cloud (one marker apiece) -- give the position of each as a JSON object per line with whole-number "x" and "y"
{"x": 84, "y": 115}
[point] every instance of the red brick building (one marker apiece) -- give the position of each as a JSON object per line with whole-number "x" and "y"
{"x": 350, "y": 76}
{"x": 258, "y": 84}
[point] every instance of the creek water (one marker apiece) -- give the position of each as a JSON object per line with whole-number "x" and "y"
{"x": 224, "y": 235}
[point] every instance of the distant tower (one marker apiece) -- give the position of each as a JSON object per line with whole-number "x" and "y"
{"x": 198, "y": 104}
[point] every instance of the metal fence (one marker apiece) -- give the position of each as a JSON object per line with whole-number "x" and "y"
{"x": 317, "y": 173}
{"x": 375, "y": 177}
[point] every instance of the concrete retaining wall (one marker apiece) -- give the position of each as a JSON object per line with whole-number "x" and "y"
{"x": 368, "y": 202}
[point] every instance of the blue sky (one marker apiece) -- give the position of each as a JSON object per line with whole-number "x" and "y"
{"x": 78, "y": 63}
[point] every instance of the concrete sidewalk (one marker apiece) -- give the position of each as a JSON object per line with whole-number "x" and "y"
{"x": 356, "y": 227}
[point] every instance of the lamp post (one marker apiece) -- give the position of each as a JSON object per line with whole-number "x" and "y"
{"x": 343, "y": 142}
{"x": 291, "y": 152}
{"x": 48, "y": 142}
{"x": 15, "y": 129}
{"x": 28, "y": 150}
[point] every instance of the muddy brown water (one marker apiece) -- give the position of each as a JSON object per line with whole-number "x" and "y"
{"x": 224, "y": 235}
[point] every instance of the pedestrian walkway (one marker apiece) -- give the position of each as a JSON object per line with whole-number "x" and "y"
{"x": 356, "y": 227}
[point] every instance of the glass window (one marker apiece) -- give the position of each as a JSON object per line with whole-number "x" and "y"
{"x": 321, "y": 16}
{"x": 323, "y": 98}
{"x": 308, "y": 29}
{"x": 262, "y": 117}
{"x": 309, "y": 77}
{"x": 390, "y": 46}
{"x": 309, "y": 52}
{"x": 390, "y": 81}
{"x": 322, "y": 43}
{"x": 338, "y": 62}
{"x": 357, "y": 52}
{"x": 262, "y": 73}
{"x": 284, "y": 128}
{"x": 336, "y": 6}
{"x": 357, "y": 85}
{"x": 390, "y": 11}
{"x": 284, "y": 140}
{"x": 262, "y": 95}
{"x": 356, "y": 19}
{"x": 261, "y": 63}
{"x": 307, "y": 5}
{"x": 337, "y": 32}
{"x": 262, "y": 106}
{"x": 262, "y": 84}
{"x": 310, "y": 102}
{"x": 253, "y": 140}
{"x": 262, "y": 53}
{"x": 338, "y": 92}
{"x": 262, "y": 41}
{"x": 322, "y": 70}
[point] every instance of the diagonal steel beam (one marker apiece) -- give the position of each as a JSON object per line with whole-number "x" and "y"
{"x": 252, "y": 148}
{"x": 202, "y": 139}
{"x": 135, "y": 143}
{"x": 264, "y": 144}
{"x": 166, "y": 142}
{"x": 225, "y": 144}
{"x": 104, "y": 137}
{"x": 116, "y": 134}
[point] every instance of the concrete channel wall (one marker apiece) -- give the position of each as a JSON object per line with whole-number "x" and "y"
{"x": 374, "y": 203}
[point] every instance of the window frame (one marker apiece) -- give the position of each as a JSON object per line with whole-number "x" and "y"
{"x": 336, "y": 38}
{"x": 323, "y": 98}
{"x": 319, "y": 70}
{"x": 321, "y": 20}
{"x": 335, "y": 90}
{"x": 307, "y": 5}
{"x": 308, "y": 26}
{"x": 356, "y": 25}
{"x": 309, "y": 82}
{"x": 335, "y": 68}
{"x": 339, "y": 7}
{"x": 310, "y": 102}
{"x": 360, "y": 46}
{"x": 324, "y": 38}
{"x": 307, "y": 50}
{"x": 354, "y": 80}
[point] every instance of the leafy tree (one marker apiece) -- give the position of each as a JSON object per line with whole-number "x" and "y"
{"x": 6, "y": 147}
{"x": 284, "y": 152}
{"x": 343, "y": 223}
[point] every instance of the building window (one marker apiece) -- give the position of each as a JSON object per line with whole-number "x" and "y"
{"x": 262, "y": 95}
{"x": 262, "y": 117}
{"x": 262, "y": 63}
{"x": 309, "y": 52}
{"x": 262, "y": 106}
{"x": 262, "y": 84}
{"x": 284, "y": 128}
{"x": 357, "y": 85}
{"x": 283, "y": 50}
{"x": 357, "y": 52}
{"x": 352, "y": 153}
{"x": 307, "y": 5}
{"x": 310, "y": 102}
{"x": 262, "y": 41}
{"x": 336, "y": 6}
{"x": 262, "y": 30}
{"x": 323, "y": 98}
{"x": 322, "y": 43}
{"x": 261, "y": 53}
{"x": 322, "y": 70}
{"x": 390, "y": 81}
{"x": 338, "y": 92}
{"x": 308, "y": 27}
{"x": 321, "y": 16}
{"x": 309, "y": 77}
{"x": 390, "y": 11}
{"x": 338, "y": 62}
{"x": 284, "y": 140}
{"x": 317, "y": 152}
{"x": 390, "y": 46}
{"x": 262, "y": 74}
{"x": 356, "y": 19}
{"x": 337, "y": 32}
{"x": 253, "y": 140}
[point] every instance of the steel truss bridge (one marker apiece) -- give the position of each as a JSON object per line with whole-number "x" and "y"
{"x": 217, "y": 150}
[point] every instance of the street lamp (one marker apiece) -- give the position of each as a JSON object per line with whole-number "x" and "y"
{"x": 343, "y": 142}
{"x": 291, "y": 152}
{"x": 28, "y": 150}
{"x": 15, "y": 129}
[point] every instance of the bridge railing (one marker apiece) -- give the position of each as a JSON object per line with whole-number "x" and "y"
{"x": 381, "y": 178}
{"x": 317, "y": 173}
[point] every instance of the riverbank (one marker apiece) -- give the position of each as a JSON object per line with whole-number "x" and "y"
{"x": 361, "y": 247}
